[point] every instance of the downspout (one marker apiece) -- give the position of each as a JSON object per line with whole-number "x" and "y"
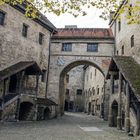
{"x": 48, "y": 71}
{"x": 115, "y": 38}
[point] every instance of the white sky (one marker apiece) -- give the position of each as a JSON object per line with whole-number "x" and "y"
{"x": 91, "y": 20}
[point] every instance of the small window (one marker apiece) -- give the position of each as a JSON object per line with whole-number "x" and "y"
{"x": 119, "y": 25}
{"x": 41, "y": 38}
{"x": 67, "y": 78}
{"x": 98, "y": 90}
{"x": 122, "y": 50}
{"x": 95, "y": 72}
{"x": 2, "y": 17}
{"x": 67, "y": 91}
{"x": 92, "y": 47}
{"x": 79, "y": 91}
{"x": 67, "y": 47}
{"x": 44, "y": 76}
{"x": 24, "y": 30}
{"x": 132, "y": 41}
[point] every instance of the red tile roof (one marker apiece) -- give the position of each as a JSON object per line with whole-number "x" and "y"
{"x": 83, "y": 33}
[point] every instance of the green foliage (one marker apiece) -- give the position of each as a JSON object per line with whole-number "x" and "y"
{"x": 77, "y": 7}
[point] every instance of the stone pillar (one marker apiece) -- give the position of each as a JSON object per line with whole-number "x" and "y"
{"x": 110, "y": 117}
{"x": 119, "y": 118}
{"x": 127, "y": 109}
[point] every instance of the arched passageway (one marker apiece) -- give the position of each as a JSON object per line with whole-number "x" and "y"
{"x": 114, "y": 113}
{"x": 47, "y": 113}
{"x": 62, "y": 81}
{"x": 25, "y": 111}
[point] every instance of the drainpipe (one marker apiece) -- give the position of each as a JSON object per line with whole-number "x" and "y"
{"x": 48, "y": 64}
{"x": 115, "y": 37}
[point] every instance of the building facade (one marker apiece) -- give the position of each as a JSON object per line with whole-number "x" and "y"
{"x": 71, "y": 47}
{"x": 24, "y": 54}
{"x": 123, "y": 72}
{"x": 94, "y": 82}
{"x": 74, "y": 98}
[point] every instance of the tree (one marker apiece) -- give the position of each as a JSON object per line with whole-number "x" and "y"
{"x": 77, "y": 7}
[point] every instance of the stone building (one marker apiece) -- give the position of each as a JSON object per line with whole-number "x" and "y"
{"x": 24, "y": 55}
{"x": 72, "y": 47}
{"x": 124, "y": 105}
{"x": 74, "y": 98}
{"x": 94, "y": 82}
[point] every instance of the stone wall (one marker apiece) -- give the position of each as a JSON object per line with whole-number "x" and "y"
{"x": 94, "y": 90}
{"x": 14, "y": 47}
{"x": 75, "y": 83}
{"x": 123, "y": 37}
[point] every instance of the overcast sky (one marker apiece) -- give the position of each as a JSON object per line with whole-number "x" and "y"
{"x": 91, "y": 20}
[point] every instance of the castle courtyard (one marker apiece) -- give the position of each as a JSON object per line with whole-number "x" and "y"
{"x": 71, "y": 126}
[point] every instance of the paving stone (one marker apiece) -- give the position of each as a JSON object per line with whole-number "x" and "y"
{"x": 67, "y": 127}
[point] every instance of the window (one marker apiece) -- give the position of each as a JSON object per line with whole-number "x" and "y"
{"x": 122, "y": 50}
{"x": 24, "y": 30}
{"x": 2, "y": 17}
{"x": 67, "y": 91}
{"x": 44, "y": 76}
{"x": 132, "y": 41}
{"x": 119, "y": 25}
{"x": 67, "y": 78}
{"x": 95, "y": 72}
{"x": 41, "y": 38}
{"x": 98, "y": 90}
{"x": 79, "y": 91}
{"x": 67, "y": 47}
{"x": 92, "y": 47}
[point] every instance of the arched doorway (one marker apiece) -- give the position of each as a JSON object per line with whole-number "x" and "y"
{"x": 62, "y": 81}
{"x": 26, "y": 109}
{"x": 47, "y": 113}
{"x": 114, "y": 113}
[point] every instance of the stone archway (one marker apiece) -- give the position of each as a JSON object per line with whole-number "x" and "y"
{"x": 114, "y": 113}
{"x": 25, "y": 111}
{"x": 62, "y": 77}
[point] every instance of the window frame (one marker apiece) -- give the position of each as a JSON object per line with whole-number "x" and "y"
{"x": 122, "y": 50}
{"x": 41, "y": 38}
{"x": 91, "y": 47}
{"x": 25, "y": 30}
{"x": 66, "y": 47}
{"x": 119, "y": 25}
{"x": 132, "y": 41}
{"x": 3, "y": 17}
{"x": 79, "y": 91}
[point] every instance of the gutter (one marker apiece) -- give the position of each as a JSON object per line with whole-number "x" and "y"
{"x": 49, "y": 56}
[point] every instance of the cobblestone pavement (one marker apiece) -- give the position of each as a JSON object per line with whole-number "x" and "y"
{"x": 71, "y": 126}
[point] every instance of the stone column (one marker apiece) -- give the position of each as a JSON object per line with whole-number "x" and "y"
{"x": 119, "y": 118}
{"x": 110, "y": 117}
{"x": 127, "y": 109}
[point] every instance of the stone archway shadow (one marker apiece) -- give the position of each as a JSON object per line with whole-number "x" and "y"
{"x": 63, "y": 73}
